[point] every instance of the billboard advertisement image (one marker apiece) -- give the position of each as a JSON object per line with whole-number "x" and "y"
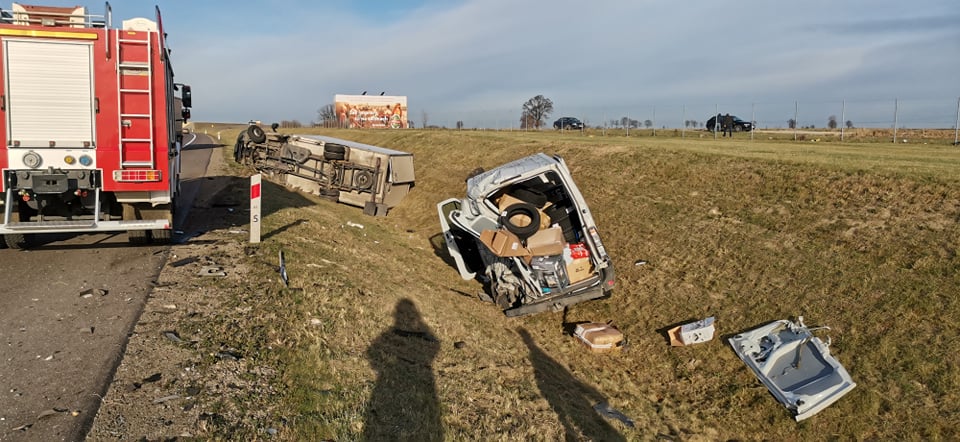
{"x": 371, "y": 111}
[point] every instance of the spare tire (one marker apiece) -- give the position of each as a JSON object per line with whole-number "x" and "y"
{"x": 333, "y": 152}
{"x": 521, "y": 219}
{"x": 256, "y": 134}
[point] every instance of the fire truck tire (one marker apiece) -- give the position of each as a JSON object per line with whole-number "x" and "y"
{"x": 17, "y": 241}
{"x": 256, "y": 134}
{"x": 526, "y": 230}
{"x": 334, "y": 152}
{"x": 137, "y": 237}
{"x": 161, "y": 236}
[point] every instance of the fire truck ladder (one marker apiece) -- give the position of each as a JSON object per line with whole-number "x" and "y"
{"x": 134, "y": 66}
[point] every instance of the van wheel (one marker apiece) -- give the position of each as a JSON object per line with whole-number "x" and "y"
{"x": 256, "y": 134}
{"x": 514, "y": 216}
{"x": 334, "y": 152}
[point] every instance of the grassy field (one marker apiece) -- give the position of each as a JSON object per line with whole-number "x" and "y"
{"x": 376, "y": 327}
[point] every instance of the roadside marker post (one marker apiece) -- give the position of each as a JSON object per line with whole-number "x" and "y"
{"x": 255, "y": 209}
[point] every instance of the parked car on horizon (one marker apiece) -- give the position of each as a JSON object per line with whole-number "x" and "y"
{"x": 568, "y": 123}
{"x": 738, "y": 124}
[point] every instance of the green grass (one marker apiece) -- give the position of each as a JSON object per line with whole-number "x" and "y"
{"x": 860, "y": 237}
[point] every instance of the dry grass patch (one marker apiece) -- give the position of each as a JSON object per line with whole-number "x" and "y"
{"x": 844, "y": 236}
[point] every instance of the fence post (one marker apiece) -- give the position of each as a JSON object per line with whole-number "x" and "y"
{"x": 843, "y": 117}
{"x": 683, "y": 127}
{"x": 956, "y": 127}
{"x": 716, "y": 119}
{"x": 796, "y": 112}
{"x": 896, "y": 110}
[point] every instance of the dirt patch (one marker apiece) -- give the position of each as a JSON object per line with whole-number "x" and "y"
{"x": 181, "y": 376}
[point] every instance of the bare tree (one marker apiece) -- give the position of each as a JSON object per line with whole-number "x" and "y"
{"x": 849, "y": 124}
{"x": 327, "y": 116}
{"x": 832, "y": 122}
{"x": 537, "y": 109}
{"x": 527, "y": 121}
{"x": 648, "y": 124}
{"x": 459, "y": 124}
{"x": 791, "y": 123}
{"x": 424, "y": 118}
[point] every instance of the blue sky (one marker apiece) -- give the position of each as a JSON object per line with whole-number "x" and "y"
{"x": 479, "y": 60}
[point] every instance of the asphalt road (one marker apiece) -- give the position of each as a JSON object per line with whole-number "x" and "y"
{"x": 66, "y": 309}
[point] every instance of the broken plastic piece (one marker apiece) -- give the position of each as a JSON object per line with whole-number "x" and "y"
{"x": 212, "y": 271}
{"x": 794, "y": 365}
{"x": 692, "y": 333}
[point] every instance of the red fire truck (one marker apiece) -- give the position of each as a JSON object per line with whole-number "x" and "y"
{"x": 91, "y": 125}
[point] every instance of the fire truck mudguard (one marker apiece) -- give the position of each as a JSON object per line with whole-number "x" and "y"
{"x": 103, "y": 156}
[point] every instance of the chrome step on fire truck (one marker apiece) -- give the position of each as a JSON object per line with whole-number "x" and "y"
{"x": 91, "y": 125}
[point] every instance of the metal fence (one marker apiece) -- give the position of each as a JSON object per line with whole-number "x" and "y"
{"x": 896, "y": 114}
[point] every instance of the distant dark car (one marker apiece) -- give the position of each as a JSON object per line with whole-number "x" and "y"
{"x": 738, "y": 124}
{"x": 568, "y": 123}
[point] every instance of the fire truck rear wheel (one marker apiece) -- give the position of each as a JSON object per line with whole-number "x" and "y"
{"x": 17, "y": 241}
{"x": 256, "y": 134}
{"x": 161, "y": 236}
{"x": 137, "y": 237}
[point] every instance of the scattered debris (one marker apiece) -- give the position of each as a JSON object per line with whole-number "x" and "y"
{"x": 415, "y": 334}
{"x": 51, "y": 412}
{"x": 212, "y": 271}
{"x": 89, "y": 293}
{"x": 152, "y": 378}
{"x": 283, "y": 270}
{"x": 166, "y": 399}
{"x": 173, "y": 336}
{"x": 640, "y": 262}
{"x": 599, "y": 337}
{"x": 23, "y": 427}
{"x": 794, "y": 365}
{"x": 230, "y": 355}
{"x": 353, "y": 224}
{"x": 692, "y": 333}
{"x": 315, "y": 321}
{"x": 609, "y": 412}
{"x": 459, "y": 345}
{"x": 184, "y": 261}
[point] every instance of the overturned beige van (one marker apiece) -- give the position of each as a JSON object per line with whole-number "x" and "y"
{"x": 372, "y": 177}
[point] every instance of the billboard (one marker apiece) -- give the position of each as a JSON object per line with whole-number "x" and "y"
{"x": 371, "y": 111}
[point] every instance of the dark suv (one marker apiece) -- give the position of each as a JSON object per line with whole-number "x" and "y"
{"x": 568, "y": 123}
{"x": 738, "y": 124}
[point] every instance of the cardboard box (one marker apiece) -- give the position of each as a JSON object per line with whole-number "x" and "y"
{"x": 692, "y": 333}
{"x": 599, "y": 337}
{"x": 579, "y": 269}
{"x": 550, "y": 271}
{"x": 547, "y": 242}
{"x": 503, "y": 243}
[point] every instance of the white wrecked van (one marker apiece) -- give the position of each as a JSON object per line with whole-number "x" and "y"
{"x": 525, "y": 231}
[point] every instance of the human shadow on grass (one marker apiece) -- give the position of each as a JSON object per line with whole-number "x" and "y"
{"x": 572, "y": 400}
{"x": 404, "y": 403}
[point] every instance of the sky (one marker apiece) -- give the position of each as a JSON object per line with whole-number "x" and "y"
{"x": 874, "y": 62}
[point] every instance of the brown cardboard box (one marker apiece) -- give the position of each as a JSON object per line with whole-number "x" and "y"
{"x": 547, "y": 242}
{"x": 503, "y": 243}
{"x": 579, "y": 269}
{"x": 599, "y": 337}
